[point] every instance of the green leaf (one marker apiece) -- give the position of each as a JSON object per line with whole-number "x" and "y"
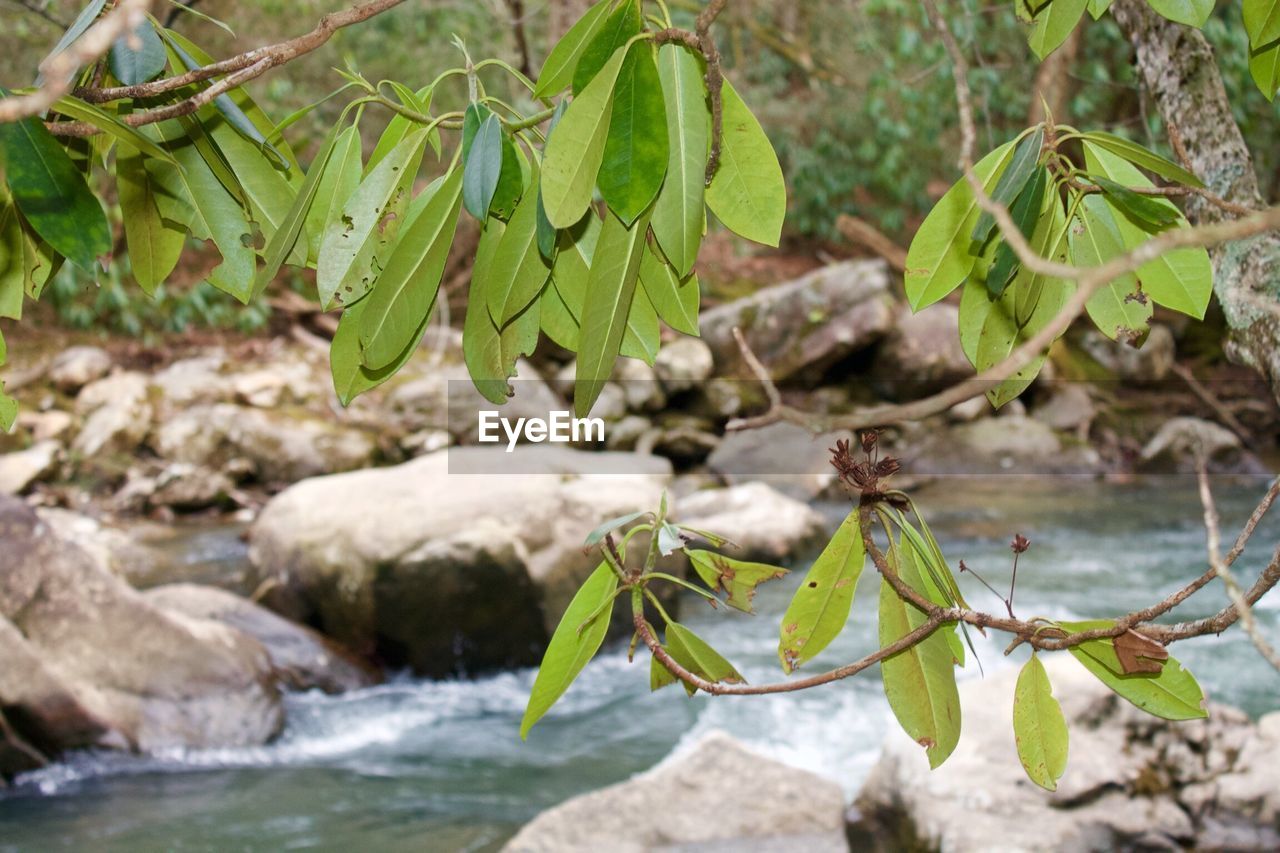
{"x": 519, "y": 269}
{"x": 737, "y": 578}
{"x": 339, "y": 177}
{"x": 561, "y": 305}
{"x": 694, "y": 654}
{"x": 635, "y": 149}
{"x": 939, "y": 259}
{"x": 920, "y": 681}
{"x": 353, "y": 244}
{"x": 1052, "y": 26}
{"x": 8, "y": 405}
{"x": 1144, "y": 211}
{"x": 1181, "y": 279}
{"x": 748, "y": 193}
{"x": 481, "y": 340}
{"x": 81, "y": 23}
{"x": 400, "y": 125}
{"x": 615, "y": 267}
{"x": 154, "y": 247}
{"x": 1025, "y": 212}
{"x": 1172, "y": 694}
{"x": 643, "y": 336}
{"x": 1139, "y": 156}
{"x": 820, "y": 607}
{"x": 610, "y": 37}
{"x": 1193, "y": 13}
{"x": 351, "y": 377}
{"x": 572, "y": 645}
{"x": 557, "y": 71}
{"x": 595, "y": 537}
{"x": 52, "y": 193}
{"x": 675, "y": 301}
{"x": 405, "y": 293}
{"x": 1264, "y": 66}
{"x": 679, "y": 216}
{"x": 574, "y": 153}
{"x": 1262, "y": 22}
{"x": 1039, "y": 728}
{"x": 1098, "y": 8}
{"x": 1026, "y": 156}
{"x": 132, "y": 66}
{"x": 484, "y": 167}
{"x": 13, "y": 271}
{"x": 1120, "y": 309}
{"x": 548, "y": 236}
{"x": 111, "y": 125}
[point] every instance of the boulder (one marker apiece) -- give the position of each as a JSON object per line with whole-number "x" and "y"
{"x": 1132, "y": 781}
{"x": 447, "y": 399}
{"x": 112, "y": 549}
{"x": 184, "y": 486}
{"x": 1069, "y": 408}
{"x": 118, "y": 415}
{"x": 281, "y": 446}
{"x": 1010, "y": 443}
{"x": 717, "y": 795}
{"x": 785, "y": 456}
{"x": 1180, "y": 441}
{"x": 458, "y": 561}
{"x": 76, "y": 367}
{"x": 85, "y": 660}
{"x": 1150, "y": 362}
{"x": 806, "y": 324}
{"x": 683, "y": 363}
{"x": 301, "y": 658}
{"x": 764, "y": 524}
{"x": 21, "y": 468}
{"x": 921, "y": 354}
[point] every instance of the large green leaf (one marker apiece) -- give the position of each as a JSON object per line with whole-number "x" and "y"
{"x": 694, "y": 654}
{"x": 679, "y": 215}
{"x": 562, "y": 61}
{"x": 1264, "y": 66}
{"x": 481, "y": 340}
{"x": 1181, "y": 279}
{"x": 1139, "y": 156}
{"x": 1054, "y": 24}
{"x": 354, "y": 243}
{"x": 643, "y": 335}
{"x": 1119, "y": 309}
{"x": 920, "y": 681}
{"x": 406, "y": 290}
{"x": 154, "y": 246}
{"x": 820, "y": 607}
{"x": 635, "y": 149}
{"x": 338, "y": 180}
{"x": 135, "y": 65}
{"x": 576, "y": 640}
{"x": 52, "y": 193}
{"x": 1262, "y": 22}
{"x": 191, "y": 194}
{"x": 1039, "y": 728}
{"x": 576, "y": 150}
{"x": 611, "y": 36}
{"x": 1172, "y": 694}
{"x": 561, "y": 307}
{"x": 519, "y": 270}
{"x": 675, "y": 301}
{"x": 940, "y": 259}
{"x": 1193, "y": 13}
{"x": 1012, "y": 181}
{"x": 737, "y": 578}
{"x": 615, "y": 267}
{"x": 350, "y": 376}
{"x": 748, "y": 193}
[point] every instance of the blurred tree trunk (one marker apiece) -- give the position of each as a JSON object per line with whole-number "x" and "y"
{"x": 1177, "y": 68}
{"x": 1053, "y": 82}
{"x": 562, "y": 15}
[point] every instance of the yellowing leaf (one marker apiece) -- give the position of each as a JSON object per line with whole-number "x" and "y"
{"x": 1039, "y": 728}
{"x": 820, "y": 607}
{"x": 1173, "y": 694}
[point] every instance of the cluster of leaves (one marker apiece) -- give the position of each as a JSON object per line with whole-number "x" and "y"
{"x": 919, "y": 675}
{"x": 1085, "y": 215}
{"x": 1053, "y": 20}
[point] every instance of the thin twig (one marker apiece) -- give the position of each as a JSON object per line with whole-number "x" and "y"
{"x": 39, "y": 10}
{"x": 1206, "y": 396}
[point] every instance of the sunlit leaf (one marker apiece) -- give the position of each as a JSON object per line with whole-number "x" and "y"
{"x": 748, "y": 193}
{"x": 820, "y": 607}
{"x": 1193, "y": 13}
{"x": 675, "y": 301}
{"x": 610, "y": 37}
{"x": 737, "y": 578}
{"x": 519, "y": 271}
{"x": 1039, "y": 728}
{"x": 1120, "y": 309}
{"x": 481, "y": 339}
{"x": 1139, "y": 156}
{"x": 1052, "y": 26}
{"x": 1173, "y": 694}
{"x": 562, "y": 61}
{"x": 694, "y": 654}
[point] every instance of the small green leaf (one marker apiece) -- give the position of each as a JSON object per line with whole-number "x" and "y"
{"x": 111, "y": 125}
{"x": 1098, "y": 8}
{"x": 675, "y": 301}
{"x": 615, "y": 267}
{"x": 481, "y": 340}
{"x": 1012, "y": 180}
{"x": 920, "y": 681}
{"x": 1172, "y": 694}
{"x": 694, "y": 654}
{"x": 562, "y": 61}
{"x": 1262, "y": 22}
{"x": 610, "y": 37}
{"x": 519, "y": 269}
{"x": 737, "y": 578}
{"x": 820, "y": 607}
{"x": 643, "y": 335}
{"x": 595, "y": 537}
{"x": 78, "y": 27}
{"x": 748, "y": 193}
{"x": 350, "y": 376}
{"x": 572, "y": 645}
{"x": 1139, "y": 156}
{"x": 1120, "y": 310}
{"x": 52, "y": 193}
{"x": 134, "y": 66}
{"x": 679, "y": 215}
{"x": 1052, "y": 26}
{"x": 405, "y": 293}
{"x": 484, "y": 167}
{"x": 1039, "y": 728}
{"x": 635, "y": 149}
{"x": 1193, "y": 13}
{"x": 154, "y": 246}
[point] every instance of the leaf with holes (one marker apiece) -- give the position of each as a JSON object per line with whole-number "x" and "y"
{"x": 1120, "y": 309}
{"x": 820, "y": 607}
{"x": 737, "y": 578}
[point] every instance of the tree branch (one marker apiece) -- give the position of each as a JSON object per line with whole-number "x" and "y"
{"x": 39, "y": 10}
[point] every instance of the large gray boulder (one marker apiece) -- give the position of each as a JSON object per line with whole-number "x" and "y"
{"x": 1132, "y": 781}
{"x": 806, "y": 324}
{"x": 87, "y": 661}
{"x": 921, "y": 354}
{"x": 444, "y": 571}
{"x": 785, "y": 456}
{"x": 718, "y": 796}
{"x": 764, "y": 524}
{"x": 1011, "y": 443}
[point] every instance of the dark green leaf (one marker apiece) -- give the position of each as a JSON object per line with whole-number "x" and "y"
{"x": 133, "y": 66}
{"x": 1025, "y": 212}
{"x": 1143, "y": 210}
{"x": 679, "y": 216}
{"x": 635, "y": 150}
{"x": 484, "y": 167}
{"x": 694, "y": 654}
{"x": 557, "y": 71}
{"x": 1139, "y": 156}
{"x": 611, "y": 36}
{"x": 820, "y": 608}
{"x": 1012, "y": 181}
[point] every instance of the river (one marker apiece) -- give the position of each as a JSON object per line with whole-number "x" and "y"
{"x": 414, "y": 765}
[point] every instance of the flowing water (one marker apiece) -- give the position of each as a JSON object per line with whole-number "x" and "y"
{"x": 414, "y": 765}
